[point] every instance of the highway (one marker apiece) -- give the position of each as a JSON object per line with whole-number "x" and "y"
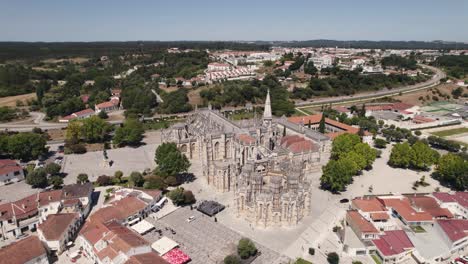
{"x": 435, "y": 80}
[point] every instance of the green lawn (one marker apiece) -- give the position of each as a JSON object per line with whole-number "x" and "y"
{"x": 302, "y": 261}
{"x": 418, "y": 229}
{"x": 451, "y": 132}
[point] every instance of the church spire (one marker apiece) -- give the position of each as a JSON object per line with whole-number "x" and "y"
{"x": 267, "y": 117}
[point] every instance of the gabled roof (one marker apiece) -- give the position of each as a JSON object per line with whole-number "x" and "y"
{"x": 119, "y": 210}
{"x": 455, "y": 229}
{"x": 429, "y": 205}
{"x": 22, "y": 251}
{"x": 368, "y": 204}
{"x": 393, "y": 242}
{"x": 77, "y": 190}
{"x": 459, "y": 197}
{"x": 9, "y": 166}
{"x": 360, "y": 222}
{"x": 56, "y": 225}
{"x": 403, "y": 207}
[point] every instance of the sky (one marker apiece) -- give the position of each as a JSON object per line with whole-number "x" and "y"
{"x": 116, "y": 20}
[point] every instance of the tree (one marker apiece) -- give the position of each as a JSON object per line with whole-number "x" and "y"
{"x": 171, "y": 181}
{"x": 94, "y": 129}
{"x": 170, "y": 160}
{"x": 118, "y": 176}
{"x": 26, "y": 146}
{"x": 344, "y": 144}
{"x": 356, "y": 158}
{"x": 401, "y": 156}
{"x": 232, "y": 259}
{"x": 104, "y": 180}
{"x": 453, "y": 171}
{"x": 82, "y": 178}
{"x": 137, "y": 179}
{"x": 369, "y": 154}
{"x": 73, "y": 132}
{"x": 56, "y": 181}
{"x": 53, "y": 168}
{"x": 333, "y": 258}
{"x": 154, "y": 182}
{"x": 424, "y": 156}
{"x": 189, "y": 198}
{"x": 103, "y": 115}
{"x": 321, "y": 127}
{"x": 37, "y": 178}
{"x": 337, "y": 174}
{"x": 131, "y": 133}
{"x": 177, "y": 196}
{"x": 380, "y": 143}
{"x": 246, "y": 248}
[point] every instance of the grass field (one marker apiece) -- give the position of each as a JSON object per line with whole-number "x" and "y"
{"x": 11, "y": 100}
{"x": 451, "y": 132}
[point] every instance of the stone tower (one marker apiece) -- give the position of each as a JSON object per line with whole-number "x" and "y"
{"x": 267, "y": 116}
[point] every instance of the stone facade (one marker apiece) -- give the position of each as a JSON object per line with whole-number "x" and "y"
{"x": 262, "y": 161}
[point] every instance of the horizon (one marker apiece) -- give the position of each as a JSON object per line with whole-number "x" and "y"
{"x": 300, "y": 20}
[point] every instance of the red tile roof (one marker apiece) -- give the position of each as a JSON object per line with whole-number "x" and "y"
{"x": 315, "y": 119}
{"x": 455, "y": 229}
{"x": 22, "y": 251}
{"x": 9, "y": 166}
{"x": 368, "y": 204}
{"x": 57, "y": 224}
{"x": 119, "y": 210}
{"x": 360, "y": 222}
{"x": 298, "y": 144}
{"x": 245, "y": 138}
{"x": 430, "y": 205}
{"x": 107, "y": 104}
{"x": 176, "y": 256}
{"x": 379, "y": 216}
{"x": 403, "y": 208}
{"x": 147, "y": 258}
{"x": 459, "y": 197}
{"x": 393, "y": 243}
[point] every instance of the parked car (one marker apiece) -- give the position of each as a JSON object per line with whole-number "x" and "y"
{"x": 344, "y": 200}
{"x": 190, "y": 219}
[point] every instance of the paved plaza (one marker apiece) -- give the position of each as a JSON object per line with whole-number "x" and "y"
{"x": 203, "y": 239}
{"x": 125, "y": 159}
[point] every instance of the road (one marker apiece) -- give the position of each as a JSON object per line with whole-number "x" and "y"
{"x": 435, "y": 80}
{"x": 38, "y": 118}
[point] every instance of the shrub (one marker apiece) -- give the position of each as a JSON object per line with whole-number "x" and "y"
{"x": 312, "y": 251}
{"x": 333, "y": 258}
{"x": 246, "y": 248}
{"x": 232, "y": 259}
{"x": 104, "y": 180}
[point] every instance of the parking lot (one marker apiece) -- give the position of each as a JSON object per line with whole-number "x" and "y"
{"x": 203, "y": 239}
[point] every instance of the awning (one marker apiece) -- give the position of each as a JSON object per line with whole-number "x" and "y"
{"x": 164, "y": 245}
{"x": 161, "y": 202}
{"x": 142, "y": 227}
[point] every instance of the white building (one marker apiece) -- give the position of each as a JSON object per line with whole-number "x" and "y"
{"x": 10, "y": 172}
{"x": 57, "y": 230}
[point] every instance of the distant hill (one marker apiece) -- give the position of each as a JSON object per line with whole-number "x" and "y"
{"x": 367, "y": 44}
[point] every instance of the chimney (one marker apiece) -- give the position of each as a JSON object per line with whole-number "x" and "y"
{"x": 24, "y": 206}
{"x": 50, "y": 197}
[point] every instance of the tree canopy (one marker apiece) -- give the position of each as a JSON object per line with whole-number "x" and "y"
{"x": 131, "y": 133}
{"x": 170, "y": 160}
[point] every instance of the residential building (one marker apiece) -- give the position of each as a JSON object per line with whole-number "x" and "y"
{"x": 112, "y": 243}
{"x": 25, "y": 251}
{"x": 27, "y": 213}
{"x": 218, "y": 66}
{"x": 401, "y": 207}
{"x": 108, "y": 106}
{"x": 10, "y": 171}
{"x": 394, "y": 247}
{"x": 456, "y": 202}
{"x": 454, "y": 233}
{"x": 57, "y": 230}
{"x": 77, "y": 115}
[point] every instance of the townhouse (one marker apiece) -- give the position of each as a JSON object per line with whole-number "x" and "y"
{"x": 57, "y": 230}
{"x": 10, "y": 171}
{"x": 25, "y": 251}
